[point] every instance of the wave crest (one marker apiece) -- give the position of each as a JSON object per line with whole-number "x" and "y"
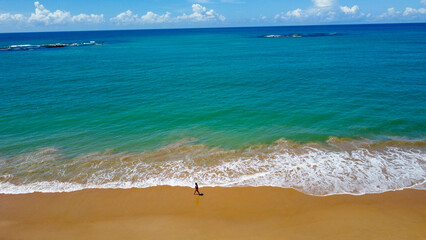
{"x": 28, "y": 47}
{"x": 299, "y": 35}
{"x": 342, "y": 166}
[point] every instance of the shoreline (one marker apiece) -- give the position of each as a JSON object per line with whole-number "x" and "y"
{"x": 342, "y": 166}
{"x": 222, "y": 213}
{"x": 416, "y": 187}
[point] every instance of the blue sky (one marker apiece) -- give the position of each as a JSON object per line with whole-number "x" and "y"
{"x": 54, "y": 15}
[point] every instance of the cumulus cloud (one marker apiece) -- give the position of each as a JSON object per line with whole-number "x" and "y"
{"x": 304, "y": 14}
{"x": 322, "y": 11}
{"x": 324, "y": 3}
{"x": 232, "y": 1}
{"x": 84, "y": 18}
{"x": 151, "y": 17}
{"x": 390, "y": 13}
{"x": 47, "y": 17}
{"x": 412, "y": 11}
{"x": 407, "y": 14}
{"x": 348, "y": 10}
{"x": 331, "y": 11}
{"x": 8, "y": 17}
{"x": 128, "y": 17}
{"x": 41, "y": 15}
{"x": 295, "y": 13}
{"x": 325, "y": 11}
{"x": 199, "y": 14}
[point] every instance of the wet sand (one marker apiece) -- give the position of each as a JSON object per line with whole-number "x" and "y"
{"x": 222, "y": 213}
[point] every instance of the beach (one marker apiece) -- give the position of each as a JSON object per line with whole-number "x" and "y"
{"x": 222, "y": 213}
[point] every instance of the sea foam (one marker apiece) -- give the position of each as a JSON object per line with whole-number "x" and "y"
{"x": 340, "y": 167}
{"x": 299, "y": 35}
{"x": 27, "y": 47}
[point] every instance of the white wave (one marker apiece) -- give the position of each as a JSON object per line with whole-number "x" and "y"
{"x": 312, "y": 170}
{"x": 273, "y": 36}
{"x": 18, "y": 47}
{"x": 24, "y": 45}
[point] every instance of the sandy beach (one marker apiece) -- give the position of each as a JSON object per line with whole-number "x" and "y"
{"x": 222, "y": 213}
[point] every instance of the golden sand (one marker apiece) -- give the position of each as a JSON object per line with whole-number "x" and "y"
{"x": 222, "y": 213}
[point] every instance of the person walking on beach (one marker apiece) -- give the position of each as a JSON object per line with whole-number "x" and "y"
{"x": 196, "y": 189}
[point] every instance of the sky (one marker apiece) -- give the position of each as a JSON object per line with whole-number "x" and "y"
{"x": 67, "y": 15}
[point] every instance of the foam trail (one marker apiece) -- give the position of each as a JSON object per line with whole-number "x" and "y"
{"x": 27, "y": 47}
{"x": 300, "y": 35}
{"x": 341, "y": 167}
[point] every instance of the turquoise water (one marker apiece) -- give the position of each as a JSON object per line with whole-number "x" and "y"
{"x": 230, "y": 89}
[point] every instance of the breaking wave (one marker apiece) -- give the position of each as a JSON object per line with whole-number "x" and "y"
{"x": 299, "y": 35}
{"x": 27, "y": 47}
{"x": 341, "y": 166}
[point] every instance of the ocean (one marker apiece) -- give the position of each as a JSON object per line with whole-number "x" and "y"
{"x": 321, "y": 109}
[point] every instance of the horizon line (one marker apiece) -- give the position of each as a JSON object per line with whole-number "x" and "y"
{"x": 185, "y": 28}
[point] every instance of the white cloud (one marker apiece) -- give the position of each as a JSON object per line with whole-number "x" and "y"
{"x": 261, "y": 18}
{"x": 126, "y": 17}
{"x": 151, "y": 17}
{"x": 295, "y": 13}
{"x": 324, "y": 3}
{"x": 407, "y": 14}
{"x": 232, "y": 1}
{"x": 84, "y": 18}
{"x": 47, "y": 17}
{"x": 313, "y": 14}
{"x": 322, "y": 9}
{"x": 43, "y": 15}
{"x": 199, "y": 14}
{"x": 412, "y": 11}
{"x": 348, "y": 10}
{"x": 390, "y": 13}
{"x": 8, "y": 17}
{"x": 326, "y": 11}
